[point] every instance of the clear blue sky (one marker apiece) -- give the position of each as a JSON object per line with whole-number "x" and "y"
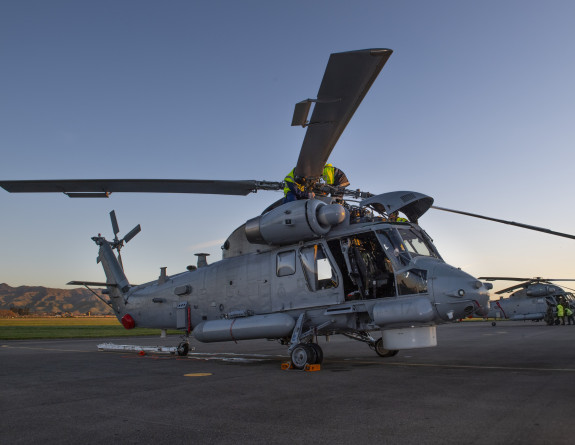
{"x": 475, "y": 107}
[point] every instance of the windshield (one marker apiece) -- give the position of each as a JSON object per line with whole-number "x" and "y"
{"x": 406, "y": 243}
{"x": 415, "y": 244}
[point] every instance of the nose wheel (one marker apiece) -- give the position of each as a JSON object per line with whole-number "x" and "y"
{"x": 382, "y": 351}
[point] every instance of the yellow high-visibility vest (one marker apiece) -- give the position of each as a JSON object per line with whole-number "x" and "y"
{"x": 328, "y": 174}
{"x": 290, "y": 178}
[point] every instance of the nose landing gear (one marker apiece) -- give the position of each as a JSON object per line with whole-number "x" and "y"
{"x": 381, "y": 350}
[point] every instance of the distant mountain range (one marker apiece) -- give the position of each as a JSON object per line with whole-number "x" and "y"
{"x": 43, "y": 300}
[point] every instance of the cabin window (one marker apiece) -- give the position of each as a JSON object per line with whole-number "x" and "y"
{"x": 318, "y": 270}
{"x": 285, "y": 263}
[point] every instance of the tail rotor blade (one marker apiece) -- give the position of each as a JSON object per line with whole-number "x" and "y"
{"x": 114, "y": 222}
{"x": 132, "y": 233}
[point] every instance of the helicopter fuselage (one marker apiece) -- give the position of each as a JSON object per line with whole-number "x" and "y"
{"x": 364, "y": 274}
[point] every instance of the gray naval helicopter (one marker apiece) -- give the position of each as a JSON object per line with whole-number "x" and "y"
{"x": 533, "y": 299}
{"x": 334, "y": 264}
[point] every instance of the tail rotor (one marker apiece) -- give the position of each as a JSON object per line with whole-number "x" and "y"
{"x": 119, "y": 243}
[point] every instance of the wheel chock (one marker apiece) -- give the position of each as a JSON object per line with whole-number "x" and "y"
{"x": 286, "y": 366}
{"x": 315, "y": 367}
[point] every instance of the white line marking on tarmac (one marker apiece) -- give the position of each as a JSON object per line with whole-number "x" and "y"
{"x": 36, "y": 348}
{"x": 436, "y": 365}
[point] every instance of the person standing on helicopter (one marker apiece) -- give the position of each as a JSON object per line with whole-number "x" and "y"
{"x": 293, "y": 190}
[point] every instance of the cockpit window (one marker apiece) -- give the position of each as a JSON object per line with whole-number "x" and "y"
{"x": 416, "y": 244}
{"x": 413, "y": 281}
{"x": 394, "y": 247}
{"x": 407, "y": 243}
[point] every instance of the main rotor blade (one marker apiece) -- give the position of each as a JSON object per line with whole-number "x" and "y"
{"x": 115, "y": 227}
{"x": 132, "y": 233}
{"x": 525, "y": 226}
{"x": 86, "y": 188}
{"x": 509, "y": 289}
{"x": 524, "y": 279}
{"x": 347, "y": 79}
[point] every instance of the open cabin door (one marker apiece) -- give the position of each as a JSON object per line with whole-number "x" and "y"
{"x": 367, "y": 272}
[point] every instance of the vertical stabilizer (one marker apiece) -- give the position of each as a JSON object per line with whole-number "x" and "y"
{"x": 112, "y": 268}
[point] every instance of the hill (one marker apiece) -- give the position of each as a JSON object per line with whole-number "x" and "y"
{"x": 43, "y": 300}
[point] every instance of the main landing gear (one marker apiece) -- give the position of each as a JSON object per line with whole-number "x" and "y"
{"x": 303, "y": 351}
{"x": 306, "y": 354}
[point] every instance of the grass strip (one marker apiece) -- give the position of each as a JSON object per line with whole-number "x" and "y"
{"x": 49, "y": 328}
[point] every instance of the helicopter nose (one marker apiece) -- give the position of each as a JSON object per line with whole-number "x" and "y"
{"x": 458, "y": 294}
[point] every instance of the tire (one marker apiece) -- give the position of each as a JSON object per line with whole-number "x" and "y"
{"x": 318, "y": 353}
{"x": 302, "y": 355}
{"x": 183, "y": 349}
{"x": 382, "y": 352}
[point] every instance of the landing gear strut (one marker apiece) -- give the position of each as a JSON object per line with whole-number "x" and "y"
{"x": 376, "y": 345}
{"x": 302, "y": 352}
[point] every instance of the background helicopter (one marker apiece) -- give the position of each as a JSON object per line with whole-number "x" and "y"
{"x": 534, "y": 299}
{"x": 311, "y": 267}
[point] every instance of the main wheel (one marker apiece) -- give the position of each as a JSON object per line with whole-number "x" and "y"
{"x": 318, "y": 353}
{"x": 303, "y": 355}
{"x": 382, "y": 351}
{"x": 183, "y": 349}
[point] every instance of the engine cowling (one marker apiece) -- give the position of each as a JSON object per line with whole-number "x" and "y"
{"x": 295, "y": 221}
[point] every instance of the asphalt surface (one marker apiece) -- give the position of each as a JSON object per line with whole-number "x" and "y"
{"x": 509, "y": 384}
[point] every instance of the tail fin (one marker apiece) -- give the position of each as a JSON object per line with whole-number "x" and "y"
{"x": 112, "y": 267}
{"x": 117, "y": 282}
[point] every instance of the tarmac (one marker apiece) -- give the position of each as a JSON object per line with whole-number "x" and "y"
{"x": 513, "y": 383}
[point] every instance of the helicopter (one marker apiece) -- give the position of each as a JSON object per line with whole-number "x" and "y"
{"x": 534, "y": 299}
{"x": 337, "y": 263}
